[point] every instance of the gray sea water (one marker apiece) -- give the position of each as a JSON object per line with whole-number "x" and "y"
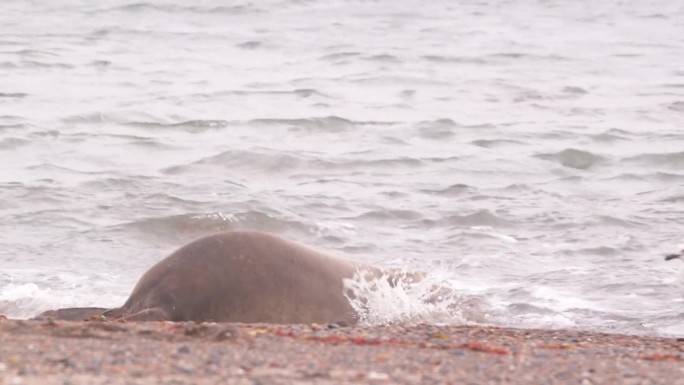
{"x": 529, "y": 154}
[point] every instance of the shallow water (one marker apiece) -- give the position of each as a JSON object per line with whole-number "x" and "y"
{"x": 529, "y": 154}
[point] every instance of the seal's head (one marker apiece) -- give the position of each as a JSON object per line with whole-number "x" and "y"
{"x": 679, "y": 256}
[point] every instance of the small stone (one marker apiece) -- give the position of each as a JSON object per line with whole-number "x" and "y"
{"x": 60, "y": 360}
{"x": 13, "y": 360}
{"x": 190, "y": 329}
{"x": 119, "y": 352}
{"x": 315, "y": 327}
{"x": 213, "y": 359}
{"x": 237, "y": 371}
{"x": 382, "y": 357}
{"x": 379, "y": 376}
{"x": 340, "y": 374}
{"x": 226, "y": 333}
{"x": 185, "y": 368}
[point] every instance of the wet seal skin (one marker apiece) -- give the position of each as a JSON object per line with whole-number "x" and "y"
{"x": 74, "y": 313}
{"x": 240, "y": 276}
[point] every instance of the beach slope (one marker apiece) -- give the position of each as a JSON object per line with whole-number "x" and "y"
{"x": 95, "y": 352}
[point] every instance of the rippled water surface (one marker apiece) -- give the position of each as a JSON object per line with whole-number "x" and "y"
{"x": 527, "y": 153}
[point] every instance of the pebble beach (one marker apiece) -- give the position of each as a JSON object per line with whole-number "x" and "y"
{"x": 96, "y": 352}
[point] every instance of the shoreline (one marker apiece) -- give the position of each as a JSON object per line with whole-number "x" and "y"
{"x": 96, "y": 352}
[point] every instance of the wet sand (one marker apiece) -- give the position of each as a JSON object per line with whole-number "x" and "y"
{"x": 95, "y": 352}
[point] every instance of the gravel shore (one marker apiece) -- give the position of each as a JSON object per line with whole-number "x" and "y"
{"x": 94, "y": 352}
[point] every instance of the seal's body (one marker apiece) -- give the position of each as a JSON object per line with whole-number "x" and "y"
{"x": 240, "y": 276}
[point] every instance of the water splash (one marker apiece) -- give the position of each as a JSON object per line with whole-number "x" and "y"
{"x": 22, "y": 300}
{"x": 401, "y": 296}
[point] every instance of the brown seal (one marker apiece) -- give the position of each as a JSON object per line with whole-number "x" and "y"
{"x": 240, "y": 276}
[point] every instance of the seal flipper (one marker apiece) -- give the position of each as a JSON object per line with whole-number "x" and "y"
{"x": 73, "y": 313}
{"x": 150, "y": 314}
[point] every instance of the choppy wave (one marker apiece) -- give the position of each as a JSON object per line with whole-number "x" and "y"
{"x": 574, "y": 158}
{"x": 650, "y": 176}
{"x": 277, "y": 162}
{"x": 326, "y": 124}
{"x": 453, "y": 190}
{"x": 479, "y": 218}
{"x": 178, "y": 9}
{"x": 439, "y": 129}
{"x": 671, "y": 160}
{"x": 12, "y": 143}
{"x": 190, "y": 125}
{"x": 333, "y": 124}
{"x": 16, "y": 95}
{"x": 455, "y": 59}
{"x": 494, "y": 143}
{"x": 390, "y": 215}
{"x": 542, "y": 178}
{"x": 206, "y": 223}
{"x": 234, "y": 160}
{"x": 611, "y": 136}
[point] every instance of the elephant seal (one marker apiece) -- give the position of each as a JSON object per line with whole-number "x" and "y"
{"x": 239, "y": 276}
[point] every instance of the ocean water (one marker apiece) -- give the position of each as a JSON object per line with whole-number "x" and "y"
{"x": 528, "y": 155}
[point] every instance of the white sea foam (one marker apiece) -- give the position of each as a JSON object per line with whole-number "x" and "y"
{"x": 20, "y": 298}
{"x": 407, "y": 297}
